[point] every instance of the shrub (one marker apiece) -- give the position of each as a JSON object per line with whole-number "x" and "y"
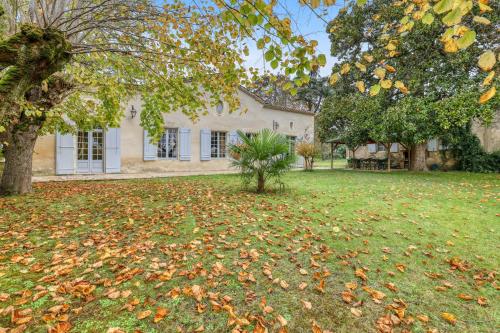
{"x": 261, "y": 157}
{"x": 308, "y": 151}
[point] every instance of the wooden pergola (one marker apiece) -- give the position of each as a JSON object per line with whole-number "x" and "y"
{"x": 334, "y": 143}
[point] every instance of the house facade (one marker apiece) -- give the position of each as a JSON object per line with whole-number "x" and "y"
{"x": 184, "y": 146}
{"x": 489, "y": 135}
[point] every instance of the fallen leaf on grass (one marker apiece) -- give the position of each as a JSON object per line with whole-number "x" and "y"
{"x": 450, "y": 318}
{"x": 144, "y": 314}
{"x": 307, "y": 304}
{"x": 356, "y": 312}
{"x": 160, "y": 314}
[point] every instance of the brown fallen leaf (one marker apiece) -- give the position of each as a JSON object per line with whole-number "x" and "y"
{"x": 160, "y": 314}
{"x": 356, "y": 312}
{"x": 284, "y": 284}
{"x": 315, "y": 327}
{"x": 302, "y": 285}
{"x": 307, "y": 304}
{"x": 465, "y": 297}
{"x": 423, "y": 318}
{"x": 482, "y": 301}
{"x": 360, "y": 272}
{"x": 144, "y": 314}
{"x": 281, "y": 320}
{"x": 115, "y": 330}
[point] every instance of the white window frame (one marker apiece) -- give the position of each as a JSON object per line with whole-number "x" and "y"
{"x": 165, "y": 139}
{"x": 221, "y": 152}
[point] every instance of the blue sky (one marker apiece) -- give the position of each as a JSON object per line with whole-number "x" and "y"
{"x": 304, "y": 22}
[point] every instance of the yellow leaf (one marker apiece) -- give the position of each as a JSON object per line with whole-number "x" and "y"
{"x": 361, "y": 86}
{"x": 401, "y": 86}
{"x": 345, "y": 69}
{"x": 143, "y": 314}
{"x": 489, "y": 78}
{"x": 390, "y": 69}
{"x": 484, "y": 7}
{"x": 334, "y": 78}
{"x": 368, "y": 57}
{"x": 379, "y": 72}
{"x": 386, "y": 84}
{"x": 487, "y": 61}
{"x": 487, "y": 95}
{"x": 450, "y": 46}
{"x": 449, "y": 317}
{"x": 360, "y": 66}
{"x": 481, "y": 20}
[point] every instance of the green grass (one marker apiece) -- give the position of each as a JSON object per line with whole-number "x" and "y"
{"x": 68, "y": 235}
{"x": 337, "y": 164}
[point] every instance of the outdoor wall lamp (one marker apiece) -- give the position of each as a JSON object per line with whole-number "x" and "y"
{"x": 133, "y": 112}
{"x": 275, "y": 125}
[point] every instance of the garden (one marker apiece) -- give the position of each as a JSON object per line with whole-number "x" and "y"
{"x": 337, "y": 251}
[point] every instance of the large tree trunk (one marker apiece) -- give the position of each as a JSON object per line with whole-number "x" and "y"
{"x": 418, "y": 158}
{"x": 18, "y": 153}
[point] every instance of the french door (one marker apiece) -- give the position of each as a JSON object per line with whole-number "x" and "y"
{"x": 90, "y": 152}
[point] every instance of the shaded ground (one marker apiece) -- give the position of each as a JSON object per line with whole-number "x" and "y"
{"x": 341, "y": 251}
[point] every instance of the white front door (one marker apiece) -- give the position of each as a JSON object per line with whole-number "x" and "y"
{"x": 90, "y": 152}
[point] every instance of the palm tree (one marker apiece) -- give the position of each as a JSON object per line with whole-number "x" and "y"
{"x": 262, "y": 156}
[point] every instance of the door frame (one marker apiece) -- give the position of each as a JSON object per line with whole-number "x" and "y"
{"x": 92, "y": 166}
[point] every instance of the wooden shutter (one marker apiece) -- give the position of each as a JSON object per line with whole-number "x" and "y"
{"x": 65, "y": 154}
{"x": 113, "y": 152}
{"x": 150, "y": 149}
{"x": 372, "y": 148}
{"x": 432, "y": 145}
{"x": 394, "y": 148}
{"x": 185, "y": 144}
{"x": 205, "y": 137}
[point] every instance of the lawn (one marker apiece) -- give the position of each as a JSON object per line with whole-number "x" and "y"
{"x": 337, "y": 164}
{"x": 339, "y": 251}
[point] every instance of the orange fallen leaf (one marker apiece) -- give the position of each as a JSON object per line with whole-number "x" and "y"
{"x": 144, "y": 314}
{"x": 160, "y": 314}
{"x": 423, "y": 318}
{"x": 450, "y": 318}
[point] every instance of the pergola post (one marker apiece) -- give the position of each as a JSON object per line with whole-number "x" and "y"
{"x": 331, "y": 156}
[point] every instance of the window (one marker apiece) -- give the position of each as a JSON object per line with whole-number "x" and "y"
{"x": 167, "y": 146}
{"x": 380, "y": 147}
{"x": 97, "y": 145}
{"x": 218, "y": 144}
{"x": 291, "y": 144}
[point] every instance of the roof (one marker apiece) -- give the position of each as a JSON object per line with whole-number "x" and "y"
{"x": 274, "y": 106}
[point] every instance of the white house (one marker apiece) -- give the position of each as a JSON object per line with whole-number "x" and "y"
{"x": 185, "y": 145}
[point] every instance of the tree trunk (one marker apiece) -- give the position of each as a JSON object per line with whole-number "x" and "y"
{"x": 418, "y": 158}
{"x": 18, "y": 153}
{"x": 261, "y": 183}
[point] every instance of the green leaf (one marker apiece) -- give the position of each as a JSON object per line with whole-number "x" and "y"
{"x": 274, "y": 64}
{"x": 374, "y": 90}
{"x": 361, "y": 2}
{"x": 269, "y": 55}
{"x": 466, "y": 40}
{"x": 428, "y": 19}
{"x": 443, "y": 6}
{"x": 260, "y": 44}
{"x": 322, "y": 60}
{"x": 453, "y": 17}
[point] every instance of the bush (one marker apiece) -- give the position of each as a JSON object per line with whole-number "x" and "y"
{"x": 261, "y": 157}
{"x": 308, "y": 151}
{"x": 469, "y": 154}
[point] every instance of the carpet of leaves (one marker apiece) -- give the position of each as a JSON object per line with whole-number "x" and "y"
{"x": 337, "y": 252}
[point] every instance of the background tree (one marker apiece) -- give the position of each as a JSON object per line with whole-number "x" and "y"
{"x": 309, "y": 152}
{"x": 262, "y": 157}
{"x": 424, "y": 71}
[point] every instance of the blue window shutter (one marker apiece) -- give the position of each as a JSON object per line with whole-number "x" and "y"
{"x": 372, "y": 148}
{"x": 232, "y": 138}
{"x": 432, "y": 145}
{"x": 65, "y": 154}
{"x": 113, "y": 152}
{"x": 205, "y": 138}
{"x": 184, "y": 144}
{"x": 394, "y": 148}
{"x": 150, "y": 149}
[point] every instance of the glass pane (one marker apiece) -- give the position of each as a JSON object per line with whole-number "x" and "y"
{"x": 222, "y": 144}
{"x": 172, "y": 142}
{"x": 83, "y": 146}
{"x": 162, "y": 146}
{"x": 214, "y": 144}
{"x": 97, "y": 146}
